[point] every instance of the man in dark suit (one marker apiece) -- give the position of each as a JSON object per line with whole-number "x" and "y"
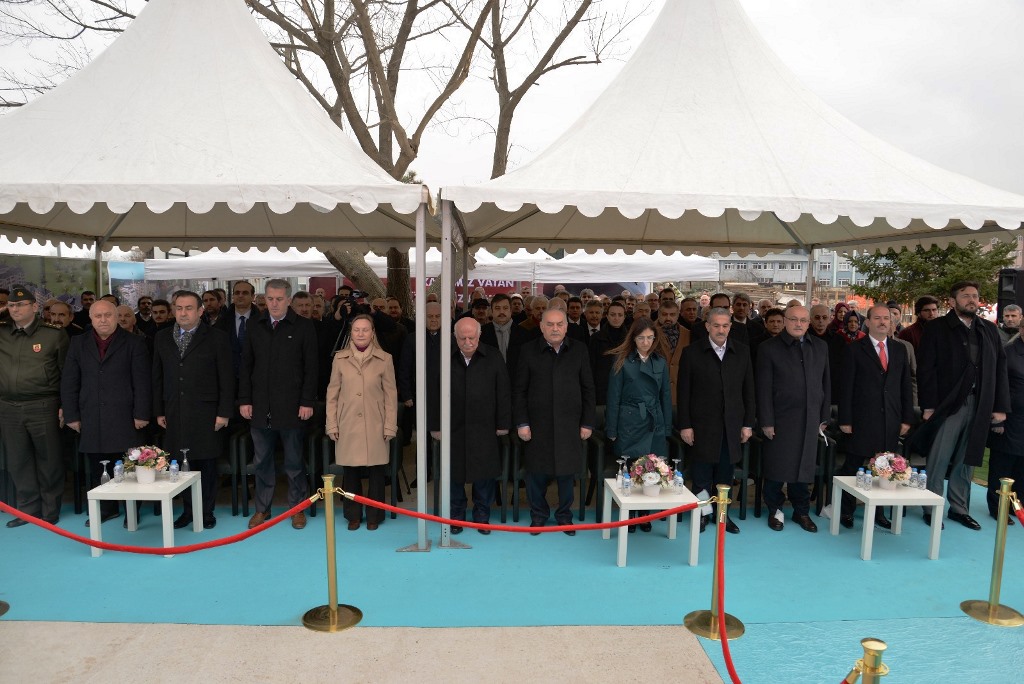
{"x": 277, "y": 392}
{"x": 105, "y": 391}
{"x": 144, "y": 317}
{"x": 793, "y": 406}
{"x": 963, "y": 389}
{"x": 82, "y": 315}
{"x": 715, "y": 405}
{"x": 194, "y": 395}
{"x": 820, "y": 319}
{"x": 406, "y": 379}
{"x": 577, "y": 322}
{"x": 503, "y": 334}
{"x": 236, "y": 319}
{"x": 554, "y": 409}
{"x": 876, "y": 405}
{"x": 481, "y": 412}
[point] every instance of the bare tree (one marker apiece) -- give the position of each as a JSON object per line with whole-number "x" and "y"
{"x": 353, "y": 55}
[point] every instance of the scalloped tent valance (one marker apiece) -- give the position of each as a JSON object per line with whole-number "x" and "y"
{"x": 706, "y": 142}
{"x": 188, "y": 131}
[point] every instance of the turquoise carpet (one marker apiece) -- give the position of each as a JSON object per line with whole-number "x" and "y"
{"x": 807, "y": 600}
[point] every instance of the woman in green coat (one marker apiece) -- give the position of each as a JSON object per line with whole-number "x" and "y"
{"x": 638, "y": 419}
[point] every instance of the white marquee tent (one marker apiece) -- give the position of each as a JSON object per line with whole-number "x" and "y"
{"x": 706, "y": 142}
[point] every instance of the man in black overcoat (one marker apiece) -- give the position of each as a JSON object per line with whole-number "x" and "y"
{"x": 194, "y": 395}
{"x": 963, "y": 389}
{"x": 481, "y": 412}
{"x": 236, "y": 319}
{"x": 715, "y": 405}
{"x": 876, "y": 404}
{"x": 793, "y": 395}
{"x": 554, "y": 409}
{"x": 105, "y": 392}
{"x": 277, "y": 392}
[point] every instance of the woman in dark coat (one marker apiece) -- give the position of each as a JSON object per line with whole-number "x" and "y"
{"x": 638, "y": 417}
{"x": 1006, "y": 455}
{"x": 611, "y": 335}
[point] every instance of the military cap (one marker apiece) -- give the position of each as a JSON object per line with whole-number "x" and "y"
{"x": 20, "y": 293}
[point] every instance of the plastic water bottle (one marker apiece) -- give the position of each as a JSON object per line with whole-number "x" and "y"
{"x": 677, "y": 481}
{"x": 922, "y": 479}
{"x": 119, "y": 471}
{"x": 860, "y": 478}
{"x": 868, "y": 481}
{"x": 174, "y": 471}
{"x": 913, "y": 478}
{"x": 627, "y": 485}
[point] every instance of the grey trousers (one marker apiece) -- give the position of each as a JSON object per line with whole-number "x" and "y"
{"x": 950, "y": 446}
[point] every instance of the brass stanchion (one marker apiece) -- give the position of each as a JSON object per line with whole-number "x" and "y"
{"x": 332, "y": 617}
{"x": 990, "y": 611}
{"x": 870, "y": 667}
{"x": 705, "y": 622}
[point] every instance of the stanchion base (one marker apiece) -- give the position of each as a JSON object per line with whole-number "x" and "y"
{"x": 452, "y": 544}
{"x": 700, "y": 623}
{"x": 4, "y": 607}
{"x": 413, "y": 548}
{"x": 1000, "y": 615}
{"x": 322, "y": 619}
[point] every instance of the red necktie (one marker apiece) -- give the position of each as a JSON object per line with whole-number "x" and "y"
{"x": 273, "y": 324}
{"x": 882, "y": 357}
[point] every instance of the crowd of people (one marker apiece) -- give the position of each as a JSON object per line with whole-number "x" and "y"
{"x": 709, "y": 373}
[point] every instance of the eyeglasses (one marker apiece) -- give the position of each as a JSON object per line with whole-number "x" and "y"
{"x": 798, "y": 320}
{"x": 644, "y": 338}
{"x": 18, "y": 305}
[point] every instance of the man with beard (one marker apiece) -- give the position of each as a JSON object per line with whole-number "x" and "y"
{"x": 144, "y": 318}
{"x": 61, "y": 316}
{"x": 677, "y": 338}
{"x": 503, "y": 334}
{"x": 793, "y": 406}
{"x": 963, "y": 389}
{"x": 1010, "y": 325}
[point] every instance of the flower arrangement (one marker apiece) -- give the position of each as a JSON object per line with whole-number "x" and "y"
{"x": 890, "y": 466}
{"x": 651, "y": 470}
{"x": 146, "y": 457}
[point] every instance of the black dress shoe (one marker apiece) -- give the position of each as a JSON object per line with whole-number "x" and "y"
{"x": 928, "y": 520}
{"x": 805, "y": 522}
{"x": 632, "y": 529}
{"x": 570, "y": 533}
{"x": 704, "y": 522}
{"x": 645, "y": 527}
{"x": 536, "y": 524}
{"x": 353, "y": 524}
{"x": 16, "y": 522}
{"x": 846, "y": 521}
{"x": 209, "y": 522}
{"x": 731, "y": 527}
{"x": 482, "y": 531}
{"x": 456, "y": 529}
{"x": 882, "y": 521}
{"x": 184, "y": 520}
{"x": 965, "y": 520}
{"x": 775, "y": 523}
{"x": 1009, "y": 519}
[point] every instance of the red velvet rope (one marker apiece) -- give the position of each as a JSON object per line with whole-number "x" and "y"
{"x": 509, "y": 528}
{"x": 722, "y": 631}
{"x": 1020, "y": 515}
{"x": 172, "y": 551}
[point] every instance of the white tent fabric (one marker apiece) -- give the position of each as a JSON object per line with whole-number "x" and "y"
{"x": 579, "y": 267}
{"x": 188, "y": 131}
{"x": 706, "y": 142}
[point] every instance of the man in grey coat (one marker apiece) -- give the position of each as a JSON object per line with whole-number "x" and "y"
{"x": 793, "y": 406}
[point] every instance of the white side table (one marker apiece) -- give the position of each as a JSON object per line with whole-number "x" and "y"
{"x": 898, "y": 498}
{"x": 636, "y": 501}
{"x": 163, "y": 490}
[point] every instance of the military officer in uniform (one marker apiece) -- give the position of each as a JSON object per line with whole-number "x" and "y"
{"x": 31, "y": 357}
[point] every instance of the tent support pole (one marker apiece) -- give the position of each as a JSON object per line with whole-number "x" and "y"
{"x": 465, "y": 277}
{"x": 441, "y": 478}
{"x": 810, "y": 276}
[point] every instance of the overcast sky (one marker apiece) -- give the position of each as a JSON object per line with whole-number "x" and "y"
{"x": 942, "y": 79}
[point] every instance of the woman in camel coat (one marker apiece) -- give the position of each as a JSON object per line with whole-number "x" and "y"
{"x": 362, "y": 417}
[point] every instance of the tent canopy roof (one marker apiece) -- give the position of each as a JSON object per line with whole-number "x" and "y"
{"x": 705, "y": 141}
{"x": 187, "y": 131}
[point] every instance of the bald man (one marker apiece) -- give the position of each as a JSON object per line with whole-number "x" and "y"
{"x": 793, "y": 405}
